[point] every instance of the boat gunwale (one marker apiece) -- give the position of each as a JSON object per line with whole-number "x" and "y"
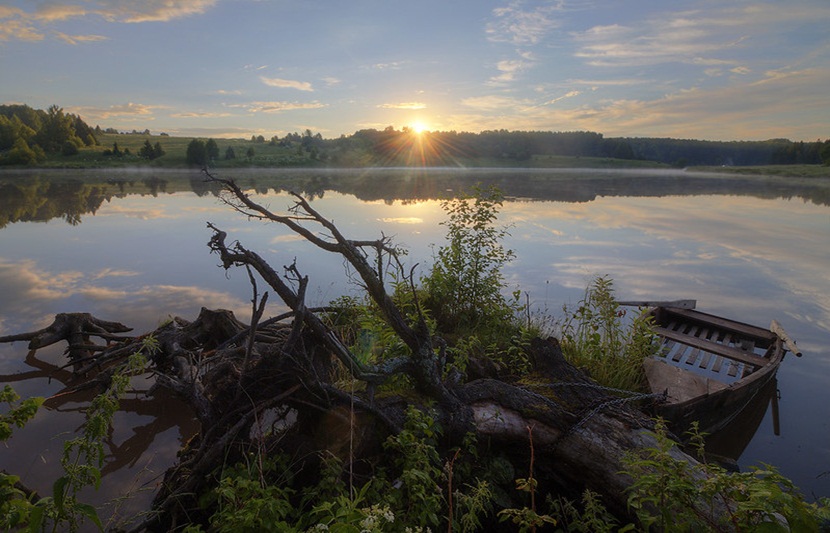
{"x": 772, "y": 358}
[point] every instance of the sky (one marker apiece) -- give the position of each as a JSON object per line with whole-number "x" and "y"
{"x": 693, "y": 69}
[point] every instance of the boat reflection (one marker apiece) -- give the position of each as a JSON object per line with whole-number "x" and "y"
{"x": 731, "y": 441}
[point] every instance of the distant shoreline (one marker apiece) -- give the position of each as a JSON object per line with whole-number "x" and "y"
{"x": 561, "y": 163}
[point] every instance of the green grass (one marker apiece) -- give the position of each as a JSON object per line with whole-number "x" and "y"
{"x": 175, "y": 148}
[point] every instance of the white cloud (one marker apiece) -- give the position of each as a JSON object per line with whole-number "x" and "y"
{"x": 569, "y": 94}
{"x": 128, "y": 110}
{"x": 27, "y": 24}
{"x": 150, "y": 10}
{"x": 78, "y": 39}
{"x": 287, "y": 84}
{"x": 404, "y": 105}
{"x": 15, "y": 25}
{"x": 195, "y": 114}
{"x": 279, "y": 107}
{"x": 704, "y": 37}
{"x": 491, "y": 102}
{"x": 519, "y": 25}
{"x": 509, "y": 68}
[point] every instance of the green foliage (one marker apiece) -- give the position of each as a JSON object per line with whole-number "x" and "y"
{"x": 247, "y": 503}
{"x": 15, "y": 504}
{"x": 150, "y": 151}
{"x": 420, "y": 496}
{"x": 671, "y": 494}
{"x": 825, "y": 153}
{"x": 19, "y": 412}
{"x": 83, "y": 456}
{"x": 592, "y": 517}
{"x": 196, "y": 153}
{"x": 22, "y": 154}
{"x": 595, "y": 338}
{"x": 527, "y": 519}
{"x": 465, "y": 285}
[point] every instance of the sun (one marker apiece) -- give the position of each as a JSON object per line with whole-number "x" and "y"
{"x": 418, "y": 127}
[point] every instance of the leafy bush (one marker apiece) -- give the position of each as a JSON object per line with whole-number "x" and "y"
{"x": 670, "y": 495}
{"x": 464, "y": 288}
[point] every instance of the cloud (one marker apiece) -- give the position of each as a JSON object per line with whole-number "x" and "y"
{"x": 699, "y": 37}
{"x": 155, "y": 10}
{"x": 404, "y": 105}
{"x": 279, "y": 107}
{"x": 569, "y": 94}
{"x": 491, "y": 102}
{"x": 287, "y": 84}
{"x": 794, "y": 98}
{"x": 520, "y": 26}
{"x": 128, "y": 110}
{"x": 77, "y": 39}
{"x": 509, "y": 68}
{"x": 196, "y": 114}
{"x": 393, "y": 65}
{"x": 26, "y": 24}
{"x": 14, "y": 25}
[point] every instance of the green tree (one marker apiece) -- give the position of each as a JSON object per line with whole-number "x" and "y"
{"x": 147, "y": 151}
{"x": 211, "y": 150}
{"x": 229, "y": 153}
{"x": 250, "y": 152}
{"x": 22, "y": 154}
{"x": 825, "y": 153}
{"x": 69, "y": 148}
{"x": 465, "y": 284}
{"x": 196, "y": 153}
{"x": 158, "y": 150}
{"x": 57, "y": 129}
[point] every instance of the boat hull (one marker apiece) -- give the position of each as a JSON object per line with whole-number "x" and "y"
{"x": 710, "y": 368}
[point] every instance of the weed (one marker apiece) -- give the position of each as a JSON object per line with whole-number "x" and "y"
{"x": 596, "y": 339}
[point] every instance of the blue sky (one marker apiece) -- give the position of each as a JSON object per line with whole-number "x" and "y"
{"x": 719, "y": 70}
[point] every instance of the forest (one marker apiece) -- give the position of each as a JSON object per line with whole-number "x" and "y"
{"x": 33, "y": 137}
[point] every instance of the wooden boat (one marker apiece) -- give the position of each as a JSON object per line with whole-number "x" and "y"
{"x": 710, "y": 367}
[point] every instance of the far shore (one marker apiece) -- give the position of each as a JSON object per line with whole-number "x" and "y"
{"x": 541, "y": 163}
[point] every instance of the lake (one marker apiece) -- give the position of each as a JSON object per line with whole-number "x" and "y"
{"x": 130, "y": 246}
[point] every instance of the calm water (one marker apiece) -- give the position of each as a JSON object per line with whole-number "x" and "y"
{"x": 131, "y": 247}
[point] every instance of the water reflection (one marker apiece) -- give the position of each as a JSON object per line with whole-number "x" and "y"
{"x": 43, "y": 195}
{"x": 134, "y": 251}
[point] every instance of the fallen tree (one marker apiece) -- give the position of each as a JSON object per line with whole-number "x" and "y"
{"x": 292, "y": 385}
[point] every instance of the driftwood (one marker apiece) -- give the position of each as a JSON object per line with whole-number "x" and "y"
{"x": 235, "y": 375}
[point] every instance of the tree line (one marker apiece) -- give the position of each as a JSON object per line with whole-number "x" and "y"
{"x": 27, "y": 134}
{"x": 524, "y": 145}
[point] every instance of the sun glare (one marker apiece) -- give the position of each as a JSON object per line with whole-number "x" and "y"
{"x": 418, "y": 127}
